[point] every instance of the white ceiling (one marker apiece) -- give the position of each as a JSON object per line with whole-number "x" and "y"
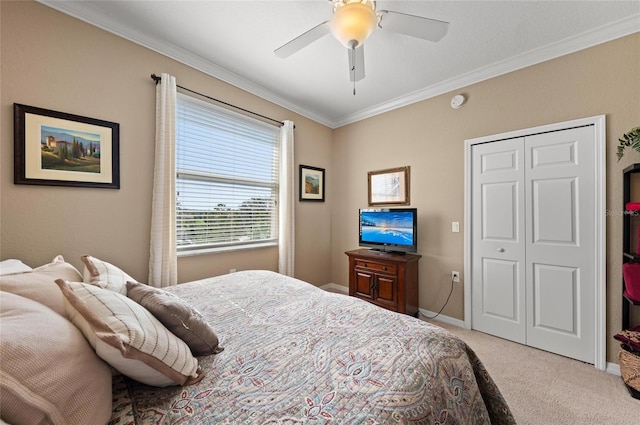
{"x": 234, "y": 41}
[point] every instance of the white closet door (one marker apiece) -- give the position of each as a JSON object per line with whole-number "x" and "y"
{"x": 498, "y": 239}
{"x": 560, "y": 242}
{"x": 534, "y": 240}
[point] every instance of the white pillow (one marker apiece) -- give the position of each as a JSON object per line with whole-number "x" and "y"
{"x": 40, "y": 284}
{"x": 129, "y": 337}
{"x": 48, "y": 373}
{"x": 12, "y": 266}
{"x": 105, "y": 275}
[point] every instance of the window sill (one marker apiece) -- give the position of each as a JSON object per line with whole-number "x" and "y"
{"x": 206, "y": 251}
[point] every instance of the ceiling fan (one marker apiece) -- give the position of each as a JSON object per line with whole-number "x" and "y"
{"x": 352, "y": 23}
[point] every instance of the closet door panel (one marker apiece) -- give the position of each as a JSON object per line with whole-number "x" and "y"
{"x": 498, "y": 232}
{"x": 554, "y": 212}
{"x": 555, "y": 298}
{"x": 560, "y": 242}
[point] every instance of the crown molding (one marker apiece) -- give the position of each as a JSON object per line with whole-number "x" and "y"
{"x": 599, "y": 35}
{"x": 79, "y": 11}
{"x": 573, "y": 44}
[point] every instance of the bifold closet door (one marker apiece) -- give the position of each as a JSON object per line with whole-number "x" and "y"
{"x": 560, "y": 242}
{"x": 498, "y": 232}
{"x": 533, "y": 240}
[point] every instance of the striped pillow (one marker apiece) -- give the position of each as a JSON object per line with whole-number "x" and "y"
{"x": 105, "y": 275}
{"x": 128, "y": 337}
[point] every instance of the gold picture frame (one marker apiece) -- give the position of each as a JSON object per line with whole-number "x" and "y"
{"x": 389, "y": 187}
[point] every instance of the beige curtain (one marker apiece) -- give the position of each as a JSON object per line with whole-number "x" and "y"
{"x": 286, "y": 237}
{"x": 163, "y": 261}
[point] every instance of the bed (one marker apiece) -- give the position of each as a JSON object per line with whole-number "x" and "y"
{"x": 293, "y": 354}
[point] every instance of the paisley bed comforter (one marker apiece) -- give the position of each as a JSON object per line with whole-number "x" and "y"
{"x": 295, "y": 354}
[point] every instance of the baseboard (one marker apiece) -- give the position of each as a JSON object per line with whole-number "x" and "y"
{"x": 613, "y": 368}
{"x": 334, "y": 287}
{"x": 444, "y": 319}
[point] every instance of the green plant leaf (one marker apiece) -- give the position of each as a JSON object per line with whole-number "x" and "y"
{"x": 631, "y": 140}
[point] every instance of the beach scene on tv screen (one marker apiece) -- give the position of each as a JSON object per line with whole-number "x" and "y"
{"x": 391, "y": 228}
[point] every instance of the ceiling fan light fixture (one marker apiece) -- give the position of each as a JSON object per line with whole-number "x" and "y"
{"x": 353, "y": 21}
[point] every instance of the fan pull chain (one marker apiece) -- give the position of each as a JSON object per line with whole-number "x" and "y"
{"x": 353, "y": 68}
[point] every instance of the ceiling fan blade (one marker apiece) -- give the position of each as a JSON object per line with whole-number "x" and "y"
{"x": 303, "y": 40}
{"x": 415, "y": 26}
{"x": 359, "y": 64}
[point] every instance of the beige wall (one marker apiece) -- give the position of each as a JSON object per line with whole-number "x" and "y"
{"x": 53, "y": 61}
{"x": 429, "y": 136}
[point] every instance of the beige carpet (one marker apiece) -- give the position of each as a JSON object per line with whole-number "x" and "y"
{"x": 544, "y": 388}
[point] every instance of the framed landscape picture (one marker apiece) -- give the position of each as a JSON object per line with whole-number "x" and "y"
{"x": 58, "y": 149}
{"x": 311, "y": 183}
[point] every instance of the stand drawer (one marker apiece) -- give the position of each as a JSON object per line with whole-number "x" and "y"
{"x": 389, "y": 268}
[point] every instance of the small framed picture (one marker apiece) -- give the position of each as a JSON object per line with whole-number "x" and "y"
{"x": 59, "y": 149}
{"x": 311, "y": 183}
{"x": 389, "y": 187}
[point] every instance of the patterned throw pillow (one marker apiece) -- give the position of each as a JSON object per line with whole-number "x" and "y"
{"x": 178, "y": 316}
{"x": 105, "y": 275}
{"x": 128, "y": 337}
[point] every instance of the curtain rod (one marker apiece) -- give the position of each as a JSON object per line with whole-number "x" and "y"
{"x": 157, "y": 79}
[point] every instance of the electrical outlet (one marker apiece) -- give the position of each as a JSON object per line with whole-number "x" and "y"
{"x": 455, "y": 276}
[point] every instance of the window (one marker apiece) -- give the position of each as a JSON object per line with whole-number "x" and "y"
{"x": 227, "y": 178}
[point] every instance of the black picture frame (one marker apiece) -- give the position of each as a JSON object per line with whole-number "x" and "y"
{"x": 311, "y": 183}
{"x": 54, "y": 148}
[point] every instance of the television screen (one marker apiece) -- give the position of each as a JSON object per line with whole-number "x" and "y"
{"x": 389, "y": 229}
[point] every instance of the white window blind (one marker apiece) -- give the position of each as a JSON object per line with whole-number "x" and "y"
{"x": 227, "y": 178}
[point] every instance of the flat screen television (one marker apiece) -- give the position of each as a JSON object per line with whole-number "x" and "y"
{"x": 389, "y": 229}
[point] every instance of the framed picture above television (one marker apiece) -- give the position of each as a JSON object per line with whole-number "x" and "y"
{"x": 389, "y": 187}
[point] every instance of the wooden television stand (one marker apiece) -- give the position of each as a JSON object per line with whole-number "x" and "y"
{"x": 388, "y": 280}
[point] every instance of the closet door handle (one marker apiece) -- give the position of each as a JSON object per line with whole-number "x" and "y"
{"x": 500, "y": 249}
